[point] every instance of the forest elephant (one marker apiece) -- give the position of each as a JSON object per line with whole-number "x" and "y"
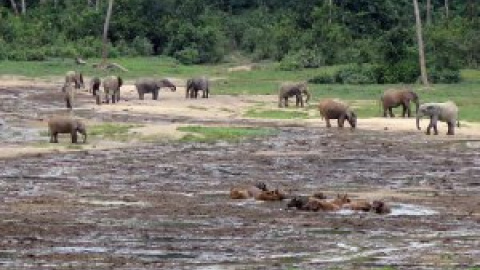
{"x": 196, "y": 84}
{"x": 147, "y": 85}
{"x": 74, "y": 77}
{"x": 293, "y": 89}
{"x": 58, "y": 125}
{"x": 94, "y": 85}
{"x": 111, "y": 88}
{"x": 445, "y": 112}
{"x": 336, "y": 109}
{"x": 69, "y": 94}
{"x": 393, "y": 98}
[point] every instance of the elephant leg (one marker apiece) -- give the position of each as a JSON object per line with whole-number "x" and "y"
{"x": 118, "y": 95}
{"x": 113, "y": 98}
{"x": 404, "y": 111}
{"x": 391, "y": 112}
{"x": 98, "y": 98}
{"x": 155, "y": 95}
{"x": 451, "y": 128}
{"x": 55, "y": 137}
{"x": 196, "y": 93}
{"x": 52, "y": 137}
{"x": 434, "y": 124}
{"x": 207, "y": 91}
{"x": 204, "y": 94}
{"x": 429, "y": 126}
{"x": 286, "y": 102}
{"x": 141, "y": 95}
{"x": 280, "y": 102}
{"x": 409, "y": 111}
{"x": 341, "y": 121}
{"x": 385, "y": 111}
{"x": 328, "y": 122}
{"x": 74, "y": 136}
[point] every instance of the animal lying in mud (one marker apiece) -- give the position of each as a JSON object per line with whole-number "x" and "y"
{"x": 315, "y": 204}
{"x": 258, "y": 191}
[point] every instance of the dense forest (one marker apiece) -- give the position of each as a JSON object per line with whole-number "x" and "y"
{"x": 376, "y": 37}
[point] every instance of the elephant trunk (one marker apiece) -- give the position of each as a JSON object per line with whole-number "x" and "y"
{"x": 418, "y": 121}
{"x": 308, "y": 96}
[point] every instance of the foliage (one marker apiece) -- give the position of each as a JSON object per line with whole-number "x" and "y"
{"x": 305, "y": 34}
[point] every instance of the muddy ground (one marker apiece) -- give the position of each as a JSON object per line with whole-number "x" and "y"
{"x": 165, "y": 205}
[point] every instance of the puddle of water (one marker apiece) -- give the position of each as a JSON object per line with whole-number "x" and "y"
{"x": 411, "y": 210}
{"x": 64, "y": 250}
{"x": 113, "y": 203}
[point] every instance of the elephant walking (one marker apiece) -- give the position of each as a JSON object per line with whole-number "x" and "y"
{"x": 69, "y": 95}
{"x": 147, "y": 85}
{"x": 445, "y": 112}
{"x": 58, "y": 125}
{"x": 196, "y": 84}
{"x": 293, "y": 89}
{"x": 74, "y": 77}
{"x": 94, "y": 85}
{"x": 111, "y": 87}
{"x": 393, "y": 98}
{"x": 336, "y": 109}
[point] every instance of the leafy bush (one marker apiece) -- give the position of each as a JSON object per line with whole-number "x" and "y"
{"x": 322, "y": 79}
{"x": 444, "y": 76}
{"x": 142, "y": 46}
{"x": 188, "y": 56}
{"x": 301, "y": 59}
{"x": 357, "y": 74}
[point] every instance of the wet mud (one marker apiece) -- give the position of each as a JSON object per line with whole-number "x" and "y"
{"x": 166, "y": 206}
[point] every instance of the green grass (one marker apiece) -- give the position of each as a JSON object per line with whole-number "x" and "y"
{"x": 276, "y": 114}
{"x": 263, "y": 81}
{"x": 212, "y": 134}
{"x": 110, "y": 129}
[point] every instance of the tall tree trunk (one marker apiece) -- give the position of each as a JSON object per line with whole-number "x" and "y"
{"x": 330, "y": 6}
{"x": 97, "y": 5}
{"x": 105, "y": 33}
{"x": 446, "y": 9}
{"x": 24, "y": 7}
{"x": 14, "y": 6}
{"x": 429, "y": 12}
{"x": 421, "y": 52}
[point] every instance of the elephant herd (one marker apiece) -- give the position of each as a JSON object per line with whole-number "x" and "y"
{"x": 391, "y": 98}
{"x": 112, "y": 85}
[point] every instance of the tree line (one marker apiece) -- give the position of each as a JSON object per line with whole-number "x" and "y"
{"x": 376, "y": 38}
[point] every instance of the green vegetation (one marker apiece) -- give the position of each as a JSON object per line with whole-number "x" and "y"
{"x": 297, "y": 35}
{"x": 276, "y": 114}
{"x": 110, "y": 129}
{"x": 212, "y": 134}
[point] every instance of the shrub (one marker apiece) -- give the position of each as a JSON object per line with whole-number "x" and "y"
{"x": 188, "y": 56}
{"x": 322, "y": 79}
{"x": 357, "y": 74}
{"x": 301, "y": 59}
{"x": 142, "y": 46}
{"x": 444, "y": 76}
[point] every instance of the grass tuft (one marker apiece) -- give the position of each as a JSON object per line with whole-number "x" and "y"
{"x": 212, "y": 134}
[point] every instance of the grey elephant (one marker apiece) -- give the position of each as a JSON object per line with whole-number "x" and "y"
{"x": 196, "y": 84}
{"x": 392, "y": 98}
{"x": 94, "y": 86}
{"x": 69, "y": 95}
{"x": 287, "y": 90}
{"x": 445, "y": 112}
{"x": 74, "y": 77}
{"x": 149, "y": 85}
{"x": 337, "y": 109}
{"x": 111, "y": 87}
{"x": 58, "y": 125}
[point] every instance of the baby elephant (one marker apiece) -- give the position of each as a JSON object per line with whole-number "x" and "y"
{"x": 74, "y": 77}
{"x": 293, "y": 89}
{"x": 445, "y": 112}
{"x": 336, "y": 109}
{"x": 69, "y": 94}
{"x": 58, "y": 125}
